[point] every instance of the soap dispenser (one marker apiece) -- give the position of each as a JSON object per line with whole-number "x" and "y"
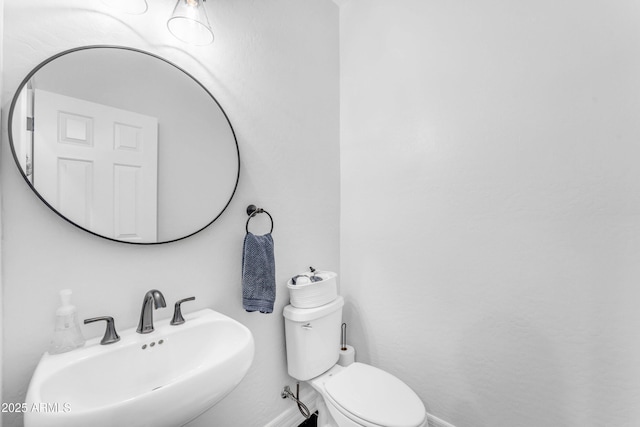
{"x": 66, "y": 335}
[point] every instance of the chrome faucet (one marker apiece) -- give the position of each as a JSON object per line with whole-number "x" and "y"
{"x": 146, "y": 315}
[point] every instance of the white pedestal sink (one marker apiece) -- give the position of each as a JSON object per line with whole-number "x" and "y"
{"x": 162, "y": 379}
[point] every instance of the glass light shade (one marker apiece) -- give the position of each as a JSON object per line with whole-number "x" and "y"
{"x": 133, "y": 7}
{"x": 189, "y": 23}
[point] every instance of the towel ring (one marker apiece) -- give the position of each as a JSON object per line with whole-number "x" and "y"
{"x": 252, "y": 211}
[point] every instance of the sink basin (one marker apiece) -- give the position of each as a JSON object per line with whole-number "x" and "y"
{"x": 164, "y": 378}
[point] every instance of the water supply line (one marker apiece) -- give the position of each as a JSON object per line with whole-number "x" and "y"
{"x": 286, "y": 392}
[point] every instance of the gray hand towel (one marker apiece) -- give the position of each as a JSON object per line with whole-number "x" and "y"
{"x": 258, "y": 273}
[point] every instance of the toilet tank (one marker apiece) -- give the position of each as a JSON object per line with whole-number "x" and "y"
{"x": 312, "y": 338}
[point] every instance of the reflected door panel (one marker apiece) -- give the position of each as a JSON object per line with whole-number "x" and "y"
{"x": 97, "y": 165}
{"x": 169, "y": 148}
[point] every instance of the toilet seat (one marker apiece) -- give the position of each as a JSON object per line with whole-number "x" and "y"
{"x": 365, "y": 393}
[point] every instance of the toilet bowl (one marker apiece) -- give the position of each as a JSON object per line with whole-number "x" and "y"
{"x": 358, "y": 395}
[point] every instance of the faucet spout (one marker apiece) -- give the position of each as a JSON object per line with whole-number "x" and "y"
{"x": 152, "y": 298}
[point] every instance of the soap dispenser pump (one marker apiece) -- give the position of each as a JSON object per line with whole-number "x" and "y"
{"x": 66, "y": 335}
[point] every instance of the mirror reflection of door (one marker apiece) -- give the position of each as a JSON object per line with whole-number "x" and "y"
{"x": 22, "y": 134}
{"x": 98, "y": 164}
{"x": 198, "y": 160}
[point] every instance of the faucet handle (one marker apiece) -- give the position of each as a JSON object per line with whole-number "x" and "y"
{"x": 177, "y": 312}
{"x": 110, "y": 334}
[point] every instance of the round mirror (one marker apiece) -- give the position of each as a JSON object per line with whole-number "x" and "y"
{"x": 124, "y": 144}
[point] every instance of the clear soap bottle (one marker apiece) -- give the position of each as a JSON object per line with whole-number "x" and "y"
{"x": 66, "y": 335}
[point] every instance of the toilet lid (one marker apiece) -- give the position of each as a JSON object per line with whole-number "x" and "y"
{"x": 376, "y": 396}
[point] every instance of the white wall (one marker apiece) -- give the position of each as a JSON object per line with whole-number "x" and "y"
{"x": 1, "y": 223}
{"x": 274, "y": 68}
{"x": 490, "y": 231}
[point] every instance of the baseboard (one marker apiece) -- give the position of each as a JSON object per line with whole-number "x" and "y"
{"x": 292, "y": 416}
{"x": 437, "y": 422}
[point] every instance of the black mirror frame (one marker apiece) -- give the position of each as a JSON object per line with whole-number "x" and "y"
{"x": 26, "y": 179}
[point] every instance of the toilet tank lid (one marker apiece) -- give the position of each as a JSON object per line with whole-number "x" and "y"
{"x": 296, "y": 314}
{"x": 376, "y": 396}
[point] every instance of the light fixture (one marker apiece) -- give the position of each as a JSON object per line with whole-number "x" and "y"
{"x": 189, "y": 22}
{"x": 133, "y": 7}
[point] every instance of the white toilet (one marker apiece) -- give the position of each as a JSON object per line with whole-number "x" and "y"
{"x": 356, "y": 395}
